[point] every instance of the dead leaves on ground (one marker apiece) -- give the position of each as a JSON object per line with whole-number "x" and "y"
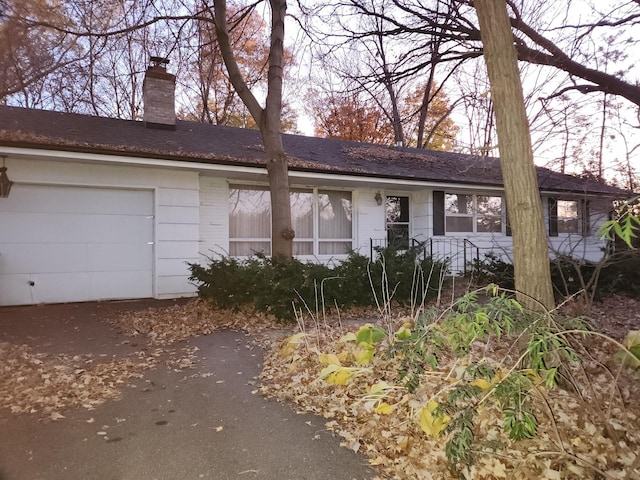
{"x": 370, "y": 410}
{"x": 32, "y": 382}
{"x": 165, "y": 326}
{"x": 43, "y": 384}
{"x": 398, "y": 430}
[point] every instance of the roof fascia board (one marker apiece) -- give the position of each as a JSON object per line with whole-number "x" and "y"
{"x": 373, "y": 181}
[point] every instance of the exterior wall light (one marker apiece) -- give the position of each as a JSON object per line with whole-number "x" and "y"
{"x": 378, "y": 198}
{"x": 5, "y": 183}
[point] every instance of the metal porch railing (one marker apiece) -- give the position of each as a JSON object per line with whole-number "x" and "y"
{"x": 457, "y": 253}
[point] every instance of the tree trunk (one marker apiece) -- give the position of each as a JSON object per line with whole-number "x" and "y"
{"x": 268, "y": 120}
{"x": 282, "y": 233}
{"x": 531, "y": 253}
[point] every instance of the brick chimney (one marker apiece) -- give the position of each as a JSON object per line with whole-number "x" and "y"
{"x": 158, "y": 94}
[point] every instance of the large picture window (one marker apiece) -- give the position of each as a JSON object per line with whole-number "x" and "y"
{"x": 321, "y": 219}
{"x": 472, "y": 213}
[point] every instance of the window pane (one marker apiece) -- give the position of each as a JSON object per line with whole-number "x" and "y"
{"x": 568, "y": 216}
{"x": 249, "y": 213}
{"x": 334, "y": 248}
{"x": 334, "y": 214}
{"x": 245, "y": 249}
{"x": 459, "y": 224}
{"x": 398, "y": 236}
{"x": 457, "y": 203}
{"x": 567, "y": 208}
{"x": 489, "y": 205}
{"x": 568, "y": 225}
{"x": 302, "y": 214}
{"x": 397, "y": 209}
{"x": 489, "y": 224}
{"x": 303, "y": 248}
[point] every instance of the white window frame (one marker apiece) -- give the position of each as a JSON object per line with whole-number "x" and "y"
{"x": 563, "y": 220}
{"x": 475, "y": 214}
{"x": 317, "y": 239}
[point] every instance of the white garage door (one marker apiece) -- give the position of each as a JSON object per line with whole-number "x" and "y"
{"x": 73, "y": 244}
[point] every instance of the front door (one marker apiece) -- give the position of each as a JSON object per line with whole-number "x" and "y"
{"x": 397, "y": 222}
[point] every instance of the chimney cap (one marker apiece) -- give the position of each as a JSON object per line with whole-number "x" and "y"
{"x": 159, "y": 61}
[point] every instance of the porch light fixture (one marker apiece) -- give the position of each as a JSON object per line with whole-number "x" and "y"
{"x": 378, "y": 198}
{"x": 5, "y": 183}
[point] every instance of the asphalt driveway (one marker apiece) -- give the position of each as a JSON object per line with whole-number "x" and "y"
{"x": 203, "y": 422}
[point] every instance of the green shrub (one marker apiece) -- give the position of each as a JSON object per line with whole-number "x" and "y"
{"x": 275, "y": 286}
{"x": 619, "y": 275}
{"x": 493, "y": 270}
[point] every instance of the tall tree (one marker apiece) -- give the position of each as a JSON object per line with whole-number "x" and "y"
{"x": 171, "y": 24}
{"x": 531, "y": 255}
{"x": 268, "y": 119}
{"x": 354, "y": 116}
{"x": 28, "y": 54}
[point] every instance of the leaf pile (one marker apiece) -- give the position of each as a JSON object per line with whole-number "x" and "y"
{"x": 167, "y": 325}
{"x": 371, "y": 408}
{"x": 46, "y": 384}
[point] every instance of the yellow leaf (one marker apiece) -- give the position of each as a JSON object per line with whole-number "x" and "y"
{"x": 384, "y": 408}
{"x": 377, "y": 390}
{"x": 345, "y": 357}
{"x": 430, "y": 424}
{"x": 329, "y": 359}
{"x": 348, "y": 337}
{"x": 403, "y": 442}
{"x": 291, "y": 343}
{"x": 364, "y": 354}
{"x": 632, "y": 339}
{"x": 336, "y": 375}
{"x": 482, "y": 383}
{"x": 339, "y": 377}
{"x": 403, "y": 332}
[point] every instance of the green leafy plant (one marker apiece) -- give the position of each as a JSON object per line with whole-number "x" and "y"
{"x": 540, "y": 349}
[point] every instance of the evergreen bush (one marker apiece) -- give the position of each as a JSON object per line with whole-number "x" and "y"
{"x": 277, "y": 286}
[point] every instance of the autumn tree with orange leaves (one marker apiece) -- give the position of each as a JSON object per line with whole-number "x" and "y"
{"x": 347, "y": 116}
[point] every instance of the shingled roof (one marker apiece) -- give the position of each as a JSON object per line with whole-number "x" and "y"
{"x": 213, "y": 144}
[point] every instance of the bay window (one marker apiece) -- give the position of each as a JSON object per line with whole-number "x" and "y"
{"x": 321, "y": 219}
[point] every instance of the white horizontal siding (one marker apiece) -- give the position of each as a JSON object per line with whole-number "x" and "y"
{"x": 214, "y": 217}
{"x": 371, "y": 219}
{"x": 421, "y": 218}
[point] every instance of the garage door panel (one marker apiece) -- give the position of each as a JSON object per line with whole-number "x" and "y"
{"x": 109, "y": 257}
{"x": 112, "y": 285}
{"x": 52, "y": 228}
{"x": 26, "y": 258}
{"x": 55, "y": 199}
{"x": 75, "y": 244}
{"x": 46, "y": 287}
